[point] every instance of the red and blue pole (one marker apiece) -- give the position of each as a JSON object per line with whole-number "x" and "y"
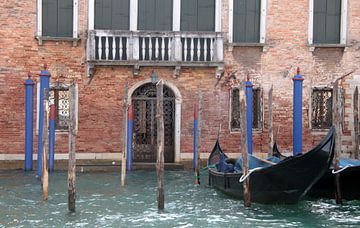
{"x": 297, "y": 113}
{"x": 29, "y": 123}
{"x": 196, "y": 126}
{"x": 249, "y": 114}
{"x": 52, "y": 138}
{"x": 44, "y": 85}
{"x": 129, "y": 137}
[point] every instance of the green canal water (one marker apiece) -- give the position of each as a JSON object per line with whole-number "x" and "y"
{"x": 102, "y": 202}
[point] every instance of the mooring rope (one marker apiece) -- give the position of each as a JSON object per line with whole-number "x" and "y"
{"x": 340, "y": 170}
{"x": 243, "y": 177}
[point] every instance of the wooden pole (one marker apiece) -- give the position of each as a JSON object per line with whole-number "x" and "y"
{"x": 198, "y": 146}
{"x": 271, "y": 132}
{"x": 72, "y": 157}
{"x": 337, "y": 122}
{"x": 243, "y": 147}
{"x": 45, "y": 142}
{"x": 356, "y": 122}
{"x": 123, "y": 159}
{"x": 160, "y": 144}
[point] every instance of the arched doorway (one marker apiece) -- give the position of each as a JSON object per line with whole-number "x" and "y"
{"x": 145, "y": 128}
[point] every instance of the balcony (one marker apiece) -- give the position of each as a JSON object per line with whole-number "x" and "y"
{"x": 140, "y": 48}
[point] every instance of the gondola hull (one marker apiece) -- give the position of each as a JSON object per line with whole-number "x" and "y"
{"x": 349, "y": 185}
{"x": 285, "y": 182}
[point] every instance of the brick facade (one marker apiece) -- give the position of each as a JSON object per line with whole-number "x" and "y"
{"x": 101, "y": 101}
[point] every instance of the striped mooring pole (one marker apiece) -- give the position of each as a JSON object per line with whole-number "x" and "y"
{"x": 44, "y": 85}
{"x": 129, "y": 137}
{"x": 29, "y": 123}
{"x": 196, "y": 126}
{"x": 52, "y": 138}
{"x": 297, "y": 113}
{"x": 249, "y": 114}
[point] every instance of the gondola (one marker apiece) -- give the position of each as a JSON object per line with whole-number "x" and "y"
{"x": 349, "y": 172}
{"x": 284, "y": 182}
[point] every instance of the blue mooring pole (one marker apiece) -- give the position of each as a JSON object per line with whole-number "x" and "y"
{"x": 249, "y": 117}
{"x": 29, "y": 124}
{"x": 52, "y": 138}
{"x": 196, "y": 125}
{"x": 129, "y": 138}
{"x": 44, "y": 84}
{"x": 297, "y": 113}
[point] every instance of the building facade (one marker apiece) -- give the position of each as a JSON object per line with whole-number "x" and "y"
{"x": 195, "y": 46}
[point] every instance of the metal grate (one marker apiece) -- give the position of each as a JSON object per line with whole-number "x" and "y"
{"x": 145, "y": 128}
{"x": 60, "y": 97}
{"x": 256, "y": 108}
{"x": 321, "y": 117}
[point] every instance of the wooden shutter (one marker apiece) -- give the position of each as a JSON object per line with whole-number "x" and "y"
{"x": 49, "y": 18}
{"x": 197, "y": 15}
{"x": 246, "y": 23}
{"x": 155, "y": 15}
{"x": 112, "y": 14}
{"x": 188, "y": 15}
{"x": 65, "y": 18}
{"x": 57, "y": 18}
{"x": 206, "y": 15}
{"x": 327, "y": 19}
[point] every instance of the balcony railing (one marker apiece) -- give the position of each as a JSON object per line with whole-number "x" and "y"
{"x": 125, "y": 47}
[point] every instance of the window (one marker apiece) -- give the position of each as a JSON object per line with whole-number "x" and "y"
{"x": 247, "y": 21}
{"x": 197, "y": 15}
{"x": 327, "y": 21}
{"x": 256, "y": 109}
{"x": 57, "y": 18}
{"x": 59, "y": 95}
{"x": 155, "y": 15}
{"x": 112, "y": 14}
{"x": 321, "y": 103}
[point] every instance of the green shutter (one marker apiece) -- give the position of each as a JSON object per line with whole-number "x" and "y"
{"x": 333, "y": 18}
{"x": 327, "y": 17}
{"x": 57, "y": 18}
{"x": 49, "y": 18}
{"x": 188, "y": 15}
{"x": 65, "y": 18}
{"x": 197, "y": 15}
{"x": 112, "y": 14}
{"x": 206, "y": 15}
{"x": 246, "y": 21}
{"x": 120, "y": 14}
{"x": 155, "y": 15}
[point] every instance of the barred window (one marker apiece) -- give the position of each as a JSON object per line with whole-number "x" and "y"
{"x": 235, "y": 109}
{"x": 321, "y": 103}
{"x": 59, "y": 95}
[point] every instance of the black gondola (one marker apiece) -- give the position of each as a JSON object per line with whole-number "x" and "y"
{"x": 325, "y": 187}
{"x": 284, "y": 182}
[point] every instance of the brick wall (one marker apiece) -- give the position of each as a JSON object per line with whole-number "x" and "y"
{"x": 100, "y": 102}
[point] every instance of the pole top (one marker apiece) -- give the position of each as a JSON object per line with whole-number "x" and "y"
{"x": 298, "y": 76}
{"x": 248, "y": 83}
{"x": 45, "y": 72}
{"x": 29, "y": 81}
{"x": 196, "y": 112}
{"x": 130, "y": 113}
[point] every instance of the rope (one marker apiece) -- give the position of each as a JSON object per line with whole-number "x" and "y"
{"x": 242, "y": 178}
{"x": 340, "y": 170}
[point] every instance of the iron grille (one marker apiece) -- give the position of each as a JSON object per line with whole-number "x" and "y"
{"x": 321, "y": 108}
{"x": 60, "y": 97}
{"x": 256, "y": 108}
{"x": 235, "y": 109}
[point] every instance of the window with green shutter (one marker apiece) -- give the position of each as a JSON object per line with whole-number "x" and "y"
{"x": 246, "y": 21}
{"x": 327, "y": 21}
{"x": 197, "y": 15}
{"x": 155, "y": 15}
{"x": 112, "y": 14}
{"x": 57, "y": 18}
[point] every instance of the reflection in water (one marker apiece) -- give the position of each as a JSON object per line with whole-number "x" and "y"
{"x": 102, "y": 202}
